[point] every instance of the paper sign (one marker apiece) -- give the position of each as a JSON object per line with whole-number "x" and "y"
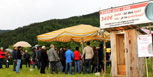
{"x": 145, "y": 47}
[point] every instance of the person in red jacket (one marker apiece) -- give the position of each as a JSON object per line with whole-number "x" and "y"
{"x": 1, "y": 57}
{"x": 77, "y": 58}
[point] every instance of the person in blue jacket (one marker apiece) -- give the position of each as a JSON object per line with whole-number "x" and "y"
{"x": 69, "y": 59}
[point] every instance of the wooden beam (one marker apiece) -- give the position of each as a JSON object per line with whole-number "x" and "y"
{"x": 113, "y": 53}
{"x": 150, "y": 26}
{"x": 127, "y": 52}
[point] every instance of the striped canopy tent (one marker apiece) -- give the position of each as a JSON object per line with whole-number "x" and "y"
{"x": 78, "y": 33}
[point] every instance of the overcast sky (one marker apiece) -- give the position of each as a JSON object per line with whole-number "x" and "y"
{"x": 18, "y": 13}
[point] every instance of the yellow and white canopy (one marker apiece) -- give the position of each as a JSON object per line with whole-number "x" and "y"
{"x": 76, "y": 33}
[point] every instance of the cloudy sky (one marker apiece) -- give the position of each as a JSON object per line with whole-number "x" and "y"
{"x": 18, "y": 13}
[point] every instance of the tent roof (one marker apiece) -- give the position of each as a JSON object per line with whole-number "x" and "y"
{"x": 76, "y": 33}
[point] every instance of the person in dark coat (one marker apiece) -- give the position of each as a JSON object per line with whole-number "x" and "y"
{"x": 44, "y": 58}
{"x": 22, "y": 57}
{"x": 34, "y": 58}
{"x": 27, "y": 58}
{"x": 95, "y": 60}
{"x": 62, "y": 57}
{"x": 38, "y": 55}
{"x": 19, "y": 56}
{"x": 14, "y": 57}
{"x": 101, "y": 57}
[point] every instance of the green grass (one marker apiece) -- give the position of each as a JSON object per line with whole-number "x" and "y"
{"x": 149, "y": 68}
{"x": 25, "y": 72}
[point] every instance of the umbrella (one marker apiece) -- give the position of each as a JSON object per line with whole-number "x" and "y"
{"x": 22, "y": 44}
{"x": 33, "y": 48}
{"x": 10, "y": 50}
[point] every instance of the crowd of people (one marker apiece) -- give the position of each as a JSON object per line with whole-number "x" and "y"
{"x": 62, "y": 60}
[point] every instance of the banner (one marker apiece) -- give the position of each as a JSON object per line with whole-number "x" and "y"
{"x": 127, "y": 15}
{"x": 145, "y": 47}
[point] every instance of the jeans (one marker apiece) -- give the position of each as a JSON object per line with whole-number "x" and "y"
{"x": 7, "y": 63}
{"x": 53, "y": 64}
{"x": 34, "y": 62}
{"x": 14, "y": 65}
{"x": 70, "y": 68}
{"x": 77, "y": 66}
{"x": 87, "y": 66}
{"x": 18, "y": 65}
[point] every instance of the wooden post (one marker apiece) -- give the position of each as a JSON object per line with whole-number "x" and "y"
{"x": 151, "y": 57}
{"x": 146, "y": 65}
{"x": 113, "y": 53}
{"x": 104, "y": 55}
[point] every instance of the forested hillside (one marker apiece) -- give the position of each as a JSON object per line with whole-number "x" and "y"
{"x": 3, "y": 31}
{"x": 28, "y": 33}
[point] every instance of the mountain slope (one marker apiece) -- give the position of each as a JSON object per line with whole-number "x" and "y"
{"x": 29, "y": 33}
{"x": 3, "y": 31}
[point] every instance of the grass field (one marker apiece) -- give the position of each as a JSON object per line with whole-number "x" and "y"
{"x": 25, "y": 72}
{"x": 149, "y": 68}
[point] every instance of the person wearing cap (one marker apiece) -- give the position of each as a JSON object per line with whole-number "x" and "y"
{"x": 1, "y": 57}
{"x": 44, "y": 58}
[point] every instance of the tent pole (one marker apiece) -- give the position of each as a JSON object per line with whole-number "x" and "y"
{"x": 82, "y": 46}
{"x": 104, "y": 56}
{"x": 104, "y": 44}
